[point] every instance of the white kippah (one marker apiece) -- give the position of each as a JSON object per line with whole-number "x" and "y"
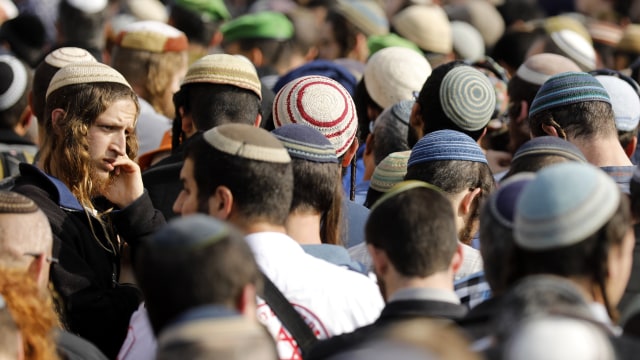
{"x": 18, "y": 85}
{"x": 84, "y": 73}
{"x": 247, "y": 142}
{"x": 88, "y": 6}
{"x": 64, "y": 56}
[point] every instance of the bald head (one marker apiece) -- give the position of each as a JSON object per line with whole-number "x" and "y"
{"x": 24, "y": 228}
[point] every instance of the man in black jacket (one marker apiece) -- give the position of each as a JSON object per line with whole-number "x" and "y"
{"x": 411, "y": 236}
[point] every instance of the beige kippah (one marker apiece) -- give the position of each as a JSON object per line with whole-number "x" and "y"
{"x": 64, "y": 56}
{"x": 152, "y": 36}
{"x": 225, "y": 69}
{"x": 248, "y": 142}
{"x": 85, "y": 73}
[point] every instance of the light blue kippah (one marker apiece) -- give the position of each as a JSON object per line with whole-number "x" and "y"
{"x": 445, "y": 145}
{"x": 568, "y": 88}
{"x": 190, "y": 232}
{"x": 565, "y": 204}
{"x": 468, "y": 98}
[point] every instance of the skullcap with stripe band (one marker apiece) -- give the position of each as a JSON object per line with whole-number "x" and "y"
{"x": 321, "y": 103}
{"x": 64, "y": 56}
{"x": 467, "y": 97}
{"x": 549, "y": 146}
{"x": 446, "y": 145}
{"x": 390, "y": 171}
{"x": 152, "y": 36}
{"x": 85, "y": 73}
{"x": 248, "y": 142}
{"x": 15, "y": 203}
{"x": 13, "y": 81}
{"x": 306, "y": 143}
{"x": 88, "y": 6}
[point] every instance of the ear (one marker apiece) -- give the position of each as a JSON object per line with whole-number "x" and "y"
{"x": 221, "y": 203}
{"x": 631, "y": 146}
{"x": 361, "y": 49}
{"x": 550, "y": 130}
{"x": 258, "y": 121}
{"x": 246, "y": 301}
{"x": 188, "y": 127}
{"x": 456, "y": 261}
{"x": 216, "y": 39}
{"x": 256, "y": 57}
{"x": 368, "y": 145}
{"x": 379, "y": 260}
{"x": 415, "y": 120}
{"x": 524, "y": 112}
{"x": 484, "y": 132}
{"x": 36, "y": 268}
{"x": 351, "y": 152}
{"x": 465, "y": 205}
{"x": 56, "y": 115}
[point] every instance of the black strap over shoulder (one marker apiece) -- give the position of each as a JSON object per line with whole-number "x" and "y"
{"x": 288, "y": 316}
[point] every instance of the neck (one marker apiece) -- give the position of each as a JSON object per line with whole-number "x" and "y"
{"x": 602, "y": 151}
{"x": 304, "y": 228}
{"x": 441, "y": 280}
{"x": 251, "y": 226}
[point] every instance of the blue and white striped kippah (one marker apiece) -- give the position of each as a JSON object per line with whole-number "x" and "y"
{"x": 568, "y": 88}
{"x": 445, "y": 145}
{"x": 307, "y": 143}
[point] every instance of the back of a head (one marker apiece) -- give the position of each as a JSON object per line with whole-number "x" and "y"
{"x": 567, "y": 220}
{"x": 321, "y": 103}
{"x": 220, "y": 89}
{"x": 15, "y": 84}
{"x": 82, "y": 23}
{"x": 414, "y": 225}
{"x": 496, "y": 233}
{"x": 390, "y": 130}
{"x": 457, "y": 97}
{"x": 576, "y": 105}
{"x": 53, "y": 62}
{"x": 26, "y": 38}
{"x": 193, "y": 261}
{"x": 386, "y": 175}
{"x": 541, "y": 152}
{"x": 24, "y": 229}
{"x": 199, "y": 20}
{"x": 257, "y": 170}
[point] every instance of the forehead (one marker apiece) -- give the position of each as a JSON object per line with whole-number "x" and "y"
{"x": 123, "y": 110}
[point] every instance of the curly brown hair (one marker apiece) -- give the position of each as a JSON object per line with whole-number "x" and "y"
{"x": 33, "y": 313}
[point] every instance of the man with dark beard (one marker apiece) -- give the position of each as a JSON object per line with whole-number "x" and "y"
{"x": 455, "y": 163}
{"x": 92, "y": 193}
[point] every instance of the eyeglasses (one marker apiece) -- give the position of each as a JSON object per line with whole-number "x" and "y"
{"x": 49, "y": 259}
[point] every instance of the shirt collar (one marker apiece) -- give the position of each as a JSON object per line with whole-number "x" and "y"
{"x": 415, "y": 293}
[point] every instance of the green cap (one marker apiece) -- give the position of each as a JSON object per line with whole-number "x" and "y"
{"x": 379, "y": 42}
{"x": 212, "y": 10}
{"x": 262, "y": 25}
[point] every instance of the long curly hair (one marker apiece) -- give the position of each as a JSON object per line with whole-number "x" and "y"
{"x": 65, "y": 149}
{"x": 33, "y": 313}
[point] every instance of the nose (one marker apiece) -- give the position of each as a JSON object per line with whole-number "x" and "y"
{"x": 177, "y": 205}
{"x": 119, "y": 143}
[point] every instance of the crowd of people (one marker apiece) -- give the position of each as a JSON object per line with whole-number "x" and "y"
{"x": 319, "y": 179}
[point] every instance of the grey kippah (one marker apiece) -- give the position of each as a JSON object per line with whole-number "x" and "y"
{"x": 563, "y": 205}
{"x": 85, "y": 73}
{"x": 306, "y": 143}
{"x": 549, "y": 145}
{"x": 190, "y": 232}
{"x": 247, "y": 142}
{"x": 14, "y": 203}
{"x": 467, "y": 97}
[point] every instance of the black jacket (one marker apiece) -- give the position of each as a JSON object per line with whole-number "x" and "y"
{"x": 95, "y": 306}
{"x": 393, "y": 312}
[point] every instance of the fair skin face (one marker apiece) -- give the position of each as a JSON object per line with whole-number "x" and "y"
{"x": 187, "y": 201}
{"x": 107, "y": 149}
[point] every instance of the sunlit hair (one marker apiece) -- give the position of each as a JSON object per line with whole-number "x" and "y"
{"x": 65, "y": 150}
{"x": 32, "y": 312}
{"x": 152, "y": 72}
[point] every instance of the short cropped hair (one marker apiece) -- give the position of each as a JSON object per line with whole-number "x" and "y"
{"x": 261, "y": 191}
{"x": 581, "y": 120}
{"x": 416, "y": 229}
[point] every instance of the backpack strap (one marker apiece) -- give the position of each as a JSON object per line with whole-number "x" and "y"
{"x": 288, "y": 316}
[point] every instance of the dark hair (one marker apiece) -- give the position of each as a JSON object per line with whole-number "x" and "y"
{"x": 372, "y": 197}
{"x": 344, "y": 32}
{"x": 511, "y": 49}
{"x": 453, "y": 177}
{"x": 211, "y": 105}
{"x": 433, "y": 115}
{"x": 80, "y": 28}
{"x": 520, "y": 10}
{"x": 584, "y": 120}
{"x": 261, "y": 191}
{"x": 274, "y": 52}
{"x": 41, "y": 79}
{"x": 533, "y": 163}
{"x": 326, "y": 197}
{"x": 625, "y": 137}
{"x": 416, "y": 229}
{"x": 586, "y": 258}
{"x": 176, "y": 281}
{"x": 634, "y": 188}
{"x": 363, "y": 101}
{"x": 197, "y": 28}
{"x": 389, "y": 136}
{"x": 10, "y": 117}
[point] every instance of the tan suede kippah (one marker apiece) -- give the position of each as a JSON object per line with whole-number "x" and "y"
{"x": 85, "y": 73}
{"x": 64, "y": 56}
{"x": 247, "y": 142}
{"x": 152, "y": 36}
{"x": 225, "y": 69}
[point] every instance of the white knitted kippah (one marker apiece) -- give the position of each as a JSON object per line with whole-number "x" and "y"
{"x": 321, "y": 103}
{"x": 88, "y": 6}
{"x": 248, "y": 142}
{"x": 64, "y": 56}
{"x": 85, "y": 73}
{"x": 18, "y": 85}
